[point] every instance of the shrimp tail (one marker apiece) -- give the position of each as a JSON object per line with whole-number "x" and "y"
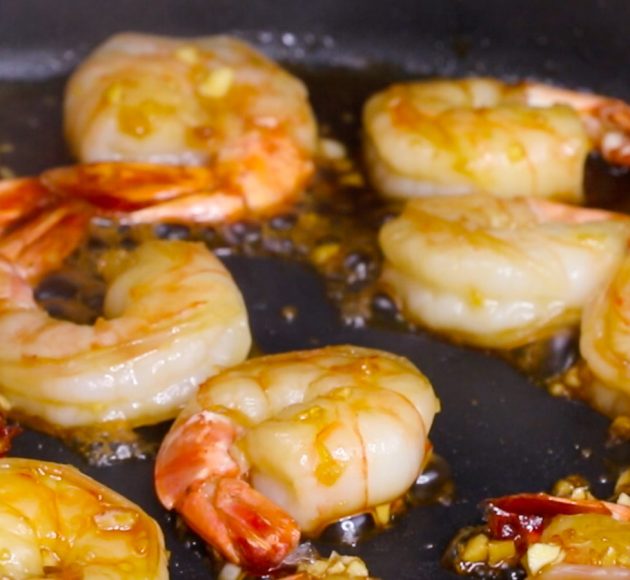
{"x": 196, "y": 475}
{"x": 41, "y": 244}
{"x": 241, "y": 523}
{"x": 606, "y": 119}
{"x": 7, "y": 433}
{"x": 615, "y": 140}
{"x": 123, "y": 187}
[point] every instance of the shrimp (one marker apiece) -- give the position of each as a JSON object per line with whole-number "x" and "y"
{"x": 31, "y": 221}
{"x": 566, "y": 538}
{"x": 481, "y": 135}
{"x": 210, "y": 102}
{"x": 292, "y": 442}
{"x": 57, "y": 522}
{"x": 173, "y": 316}
{"x": 604, "y": 344}
{"x": 499, "y": 273}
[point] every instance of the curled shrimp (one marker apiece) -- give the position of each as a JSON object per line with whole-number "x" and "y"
{"x": 57, "y": 522}
{"x": 605, "y": 344}
{"x": 496, "y": 272}
{"x": 210, "y": 102}
{"x": 480, "y": 135}
{"x": 292, "y": 442}
{"x": 172, "y": 317}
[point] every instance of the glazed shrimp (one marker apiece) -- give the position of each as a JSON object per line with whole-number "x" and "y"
{"x": 172, "y": 317}
{"x": 553, "y": 538}
{"x": 498, "y": 273}
{"x": 57, "y": 522}
{"x": 604, "y": 344}
{"x": 481, "y": 135}
{"x": 211, "y": 102}
{"x": 293, "y": 442}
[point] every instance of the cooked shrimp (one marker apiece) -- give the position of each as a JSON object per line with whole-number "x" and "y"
{"x": 172, "y": 317}
{"x": 481, "y": 135}
{"x": 499, "y": 273}
{"x": 57, "y": 522}
{"x": 212, "y": 102}
{"x": 38, "y": 230}
{"x": 605, "y": 344}
{"x": 293, "y": 442}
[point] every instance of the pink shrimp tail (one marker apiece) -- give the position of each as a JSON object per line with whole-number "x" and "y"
{"x": 241, "y": 523}
{"x": 196, "y": 475}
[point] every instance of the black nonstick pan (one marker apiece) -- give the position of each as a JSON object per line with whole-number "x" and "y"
{"x": 498, "y": 431}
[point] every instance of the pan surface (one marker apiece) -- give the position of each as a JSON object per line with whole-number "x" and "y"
{"x": 498, "y": 431}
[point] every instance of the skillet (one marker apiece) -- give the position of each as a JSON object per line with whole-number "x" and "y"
{"x": 498, "y": 431}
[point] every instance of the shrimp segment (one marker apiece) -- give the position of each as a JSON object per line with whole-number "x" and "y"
{"x": 480, "y": 135}
{"x": 57, "y": 522}
{"x": 499, "y": 273}
{"x": 212, "y": 102}
{"x": 222, "y": 508}
{"x": 172, "y": 317}
{"x": 293, "y": 442}
{"x": 605, "y": 343}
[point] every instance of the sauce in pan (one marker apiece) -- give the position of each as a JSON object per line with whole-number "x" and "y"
{"x": 332, "y": 230}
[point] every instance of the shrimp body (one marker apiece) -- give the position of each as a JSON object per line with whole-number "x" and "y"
{"x": 309, "y": 436}
{"x": 605, "y": 343}
{"x": 498, "y": 273}
{"x": 57, "y": 522}
{"x": 480, "y": 135}
{"x": 212, "y": 102}
{"x": 172, "y": 317}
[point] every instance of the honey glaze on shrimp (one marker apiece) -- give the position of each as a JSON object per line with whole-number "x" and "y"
{"x": 480, "y": 135}
{"x": 212, "y": 102}
{"x": 172, "y": 317}
{"x": 499, "y": 273}
{"x": 57, "y": 522}
{"x": 288, "y": 443}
